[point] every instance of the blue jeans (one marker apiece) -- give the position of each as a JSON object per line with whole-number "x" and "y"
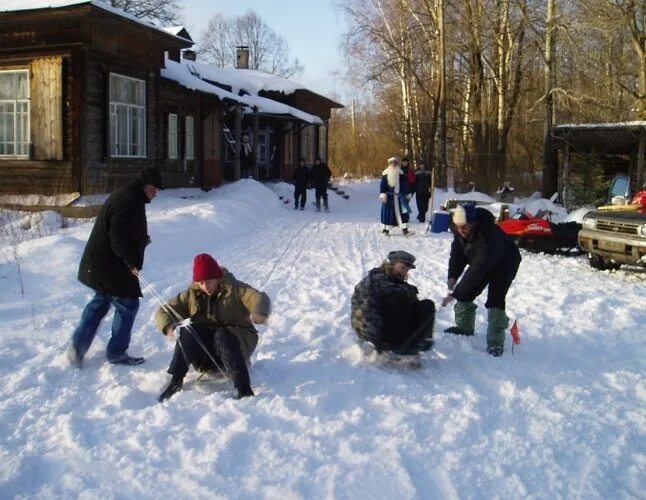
{"x": 124, "y": 316}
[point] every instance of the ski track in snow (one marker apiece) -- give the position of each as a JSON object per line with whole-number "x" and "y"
{"x": 563, "y": 417}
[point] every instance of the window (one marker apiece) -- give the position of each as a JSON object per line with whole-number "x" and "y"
{"x": 190, "y": 139}
{"x": 308, "y": 142}
{"x": 263, "y": 147}
{"x": 323, "y": 142}
{"x": 127, "y": 116}
{"x": 172, "y": 136}
{"x": 14, "y": 113}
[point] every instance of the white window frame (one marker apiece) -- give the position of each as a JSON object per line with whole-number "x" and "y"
{"x": 173, "y": 146}
{"x": 21, "y": 111}
{"x": 134, "y": 123}
{"x": 189, "y": 138}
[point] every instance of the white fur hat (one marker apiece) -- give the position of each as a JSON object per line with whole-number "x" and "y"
{"x": 459, "y": 215}
{"x": 464, "y": 214}
{"x": 394, "y": 160}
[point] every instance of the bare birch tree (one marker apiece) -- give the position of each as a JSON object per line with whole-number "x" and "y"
{"x": 160, "y": 12}
{"x": 268, "y": 51}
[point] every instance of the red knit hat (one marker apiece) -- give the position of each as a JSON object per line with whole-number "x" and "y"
{"x": 206, "y": 268}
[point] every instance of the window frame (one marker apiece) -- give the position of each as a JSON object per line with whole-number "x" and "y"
{"x": 172, "y": 137}
{"x": 135, "y": 118}
{"x": 21, "y": 127}
{"x": 189, "y": 138}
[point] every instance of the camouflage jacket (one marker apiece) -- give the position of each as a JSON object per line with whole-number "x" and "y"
{"x": 369, "y": 295}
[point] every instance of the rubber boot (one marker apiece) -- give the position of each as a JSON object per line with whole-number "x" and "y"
{"x": 465, "y": 319}
{"x": 496, "y": 331}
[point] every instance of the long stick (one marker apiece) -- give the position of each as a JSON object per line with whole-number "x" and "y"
{"x": 175, "y": 315}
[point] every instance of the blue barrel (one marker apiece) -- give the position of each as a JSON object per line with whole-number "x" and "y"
{"x": 440, "y": 222}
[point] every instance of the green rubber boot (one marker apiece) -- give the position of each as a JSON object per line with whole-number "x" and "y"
{"x": 465, "y": 319}
{"x": 496, "y": 331}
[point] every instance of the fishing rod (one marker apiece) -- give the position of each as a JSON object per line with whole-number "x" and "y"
{"x": 181, "y": 323}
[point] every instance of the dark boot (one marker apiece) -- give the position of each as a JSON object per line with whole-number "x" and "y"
{"x": 174, "y": 387}
{"x": 244, "y": 392}
{"x": 465, "y": 319}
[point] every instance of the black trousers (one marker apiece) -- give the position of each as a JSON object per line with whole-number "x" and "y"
{"x": 401, "y": 318}
{"x": 422, "y": 207}
{"x": 321, "y": 193}
{"x": 222, "y": 346}
{"x": 302, "y": 194}
{"x": 499, "y": 283}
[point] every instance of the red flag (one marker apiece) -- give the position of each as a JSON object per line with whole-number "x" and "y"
{"x": 515, "y": 332}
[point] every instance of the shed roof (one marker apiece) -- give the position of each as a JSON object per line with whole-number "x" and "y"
{"x": 618, "y": 138}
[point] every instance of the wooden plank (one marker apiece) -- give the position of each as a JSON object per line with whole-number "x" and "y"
{"x": 47, "y": 108}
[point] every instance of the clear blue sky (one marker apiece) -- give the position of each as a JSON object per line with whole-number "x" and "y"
{"x": 313, "y": 31}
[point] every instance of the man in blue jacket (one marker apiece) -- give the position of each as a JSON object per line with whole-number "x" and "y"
{"x": 492, "y": 259}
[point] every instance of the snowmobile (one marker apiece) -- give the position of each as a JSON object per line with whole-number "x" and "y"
{"x": 537, "y": 233}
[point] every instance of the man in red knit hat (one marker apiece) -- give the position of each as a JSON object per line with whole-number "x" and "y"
{"x": 221, "y": 335}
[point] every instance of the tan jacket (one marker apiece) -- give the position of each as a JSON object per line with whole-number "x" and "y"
{"x": 231, "y": 306}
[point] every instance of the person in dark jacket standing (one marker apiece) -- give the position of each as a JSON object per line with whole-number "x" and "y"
{"x": 423, "y": 183}
{"x": 110, "y": 265}
{"x": 385, "y": 309}
{"x": 409, "y": 173}
{"x": 493, "y": 259}
{"x": 301, "y": 177}
{"x": 321, "y": 176}
{"x": 221, "y": 335}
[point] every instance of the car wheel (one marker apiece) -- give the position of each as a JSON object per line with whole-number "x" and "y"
{"x": 601, "y": 263}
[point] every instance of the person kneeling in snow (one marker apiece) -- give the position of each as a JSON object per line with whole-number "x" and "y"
{"x": 387, "y": 312}
{"x": 221, "y": 335}
{"x": 493, "y": 260}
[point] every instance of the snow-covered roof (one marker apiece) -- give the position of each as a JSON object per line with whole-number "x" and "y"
{"x": 192, "y": 75}
{"x": 271, "y": 107}
{"x": 18, "y": 5}
{"x": 182, "y": 74}
{"x": 639, "y": 123}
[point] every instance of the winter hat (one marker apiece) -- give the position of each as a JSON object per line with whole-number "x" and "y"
{"x": 206, "y": 268}
{"x": 394, "y": 160}
{"x": 464, "y": 214}
{"x": 402, "y": 256}
{"x": 150, "y": 175}
{"x": 405, "y": 159}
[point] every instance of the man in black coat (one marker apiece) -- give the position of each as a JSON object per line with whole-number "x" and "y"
{"x": 321, "y": 176}
{"x": 493, "y": 259}
{"x": 113, "y": 257}
{"x": 301, "y": 176}
{"x": 385, "y": 309}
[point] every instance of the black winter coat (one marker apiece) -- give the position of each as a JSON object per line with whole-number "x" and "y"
{"x": 368, "y": 298}
{"x": 117, "y": 244}
{"x": 488, "y": 251}
{"x": 301, "y": 176}
{"x": 320, "y": 175}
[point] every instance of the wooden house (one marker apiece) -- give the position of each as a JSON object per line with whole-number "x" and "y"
{"x": 89, "y": 95}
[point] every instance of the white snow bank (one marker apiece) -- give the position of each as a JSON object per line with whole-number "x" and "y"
{"x": 561, "y": 418}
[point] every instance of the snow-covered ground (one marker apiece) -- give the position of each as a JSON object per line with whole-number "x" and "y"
{"x": 564, "y": 417}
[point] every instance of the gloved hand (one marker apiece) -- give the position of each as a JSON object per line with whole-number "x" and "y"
{"x": 450, "y": 283}
{"x": 383, "y": 197}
